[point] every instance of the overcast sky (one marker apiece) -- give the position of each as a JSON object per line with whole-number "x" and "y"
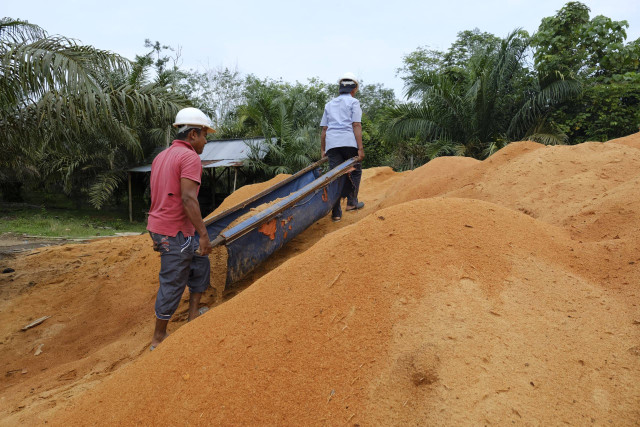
{"x": 296, "y": 40}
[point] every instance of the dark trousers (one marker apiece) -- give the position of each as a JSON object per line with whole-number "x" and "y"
{"x": 336, "y": 157}
{"x": 179, "y": 267}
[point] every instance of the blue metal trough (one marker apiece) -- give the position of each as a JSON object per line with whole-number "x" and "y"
{"x": 305, "y": 197}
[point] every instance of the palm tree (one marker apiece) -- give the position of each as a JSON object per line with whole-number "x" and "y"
{"x": 499, "y": 101}
{"x": 288, "y": 118}
{"x": 72, "y": 107}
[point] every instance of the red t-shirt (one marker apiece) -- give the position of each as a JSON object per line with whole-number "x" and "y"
{"x": 167, "y": 216}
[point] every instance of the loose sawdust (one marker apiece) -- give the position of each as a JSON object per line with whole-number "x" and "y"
{"x": 218, "y": 276}
{"x": 244, "y": 193}
{"x": 252, "y": 212}
{"x": 464, "y": 293}
{"x": 219, "y": 255}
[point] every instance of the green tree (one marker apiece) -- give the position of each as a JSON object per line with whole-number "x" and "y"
{"x": 288, "y": 117}
{"x": 424, "y": 62}
{"x": 468, "y": 44}
{"x": 219, "y": 92}
{"x": 497, "y": 101}
{"x": 374, "y": 99}
{"x": 571, "y": 43}
{"x": 69, "y": 108}
{"x": 48, "y": 95}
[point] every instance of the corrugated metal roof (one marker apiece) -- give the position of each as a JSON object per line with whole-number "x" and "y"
{"x": 217, "y": 154}
{"x": 145, "y": 168}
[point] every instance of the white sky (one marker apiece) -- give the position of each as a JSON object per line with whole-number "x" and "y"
{"x": 296, "y": 40}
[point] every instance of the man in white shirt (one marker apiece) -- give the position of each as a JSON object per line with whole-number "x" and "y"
{"x": 341, "y": 139}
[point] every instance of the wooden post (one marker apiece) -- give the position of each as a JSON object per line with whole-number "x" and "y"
{"x": 213, "y": 186}
{"x": 130, "y": 200}
{"x": 235, "y": 178}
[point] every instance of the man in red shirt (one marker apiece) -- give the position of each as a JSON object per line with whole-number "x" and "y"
{"x": 175, "y": 215}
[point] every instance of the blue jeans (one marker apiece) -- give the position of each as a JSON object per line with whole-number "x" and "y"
{"x": 351, "y": 186}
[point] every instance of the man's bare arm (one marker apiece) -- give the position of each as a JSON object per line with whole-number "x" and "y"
{"x": 323, "y": 141}
{"x": 189, "y": 191}
{"x": 357, "y": 131}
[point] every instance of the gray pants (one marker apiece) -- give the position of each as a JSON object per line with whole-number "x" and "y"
{"x": 336, "y": 157}
{"x": 179, "y": 267}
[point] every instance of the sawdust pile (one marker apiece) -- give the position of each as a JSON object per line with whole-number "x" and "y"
{"x": 465, "y": 292}
{"x": 252, "y": 212}
{"x": 218, "y": 276}
{"x": 219, "y": 255}
{"x": 244, "y": 193}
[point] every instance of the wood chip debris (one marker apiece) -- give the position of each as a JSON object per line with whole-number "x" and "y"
{"x": 35, "y": 323}
{"x": 38, "y": 350}
{"x": 331, "y": 395}
{"x": 335, "y": 280}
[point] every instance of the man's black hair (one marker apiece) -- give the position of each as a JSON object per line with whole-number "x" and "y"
{"x": 346, "y": 88}
{"x": 183, "y": 135}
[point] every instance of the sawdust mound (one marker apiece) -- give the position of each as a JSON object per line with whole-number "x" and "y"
{"x": 583, "y": 188}
{"x": 465, "y": 292}
{"x": 105, "y": 299}
{"x": 430, "y": 180}
{"x": 99, "y": 296}
{"x": 630, "y": 141}
{"x": 467, "y": 312}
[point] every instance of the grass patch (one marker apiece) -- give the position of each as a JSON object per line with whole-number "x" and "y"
{"x": 36, "y": 221}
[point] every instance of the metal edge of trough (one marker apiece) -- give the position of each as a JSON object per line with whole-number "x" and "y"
{"x": 255, "y": 221}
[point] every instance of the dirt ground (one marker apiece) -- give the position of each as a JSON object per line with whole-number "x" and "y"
{"x": 12, "y": 244}
{"x": 465, "y": 292}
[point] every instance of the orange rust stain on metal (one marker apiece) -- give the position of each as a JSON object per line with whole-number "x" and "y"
{"x": 269, "y": 229}
{"x": 325, "y": 196}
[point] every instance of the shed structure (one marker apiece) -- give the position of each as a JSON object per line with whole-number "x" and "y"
{"x": 222, "y": 154}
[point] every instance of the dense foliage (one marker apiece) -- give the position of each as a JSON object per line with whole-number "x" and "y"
{"x": 575, "y": 79}
{"x": 594, "y": 52}
{"x": 478, "y": 109}
{"x": 74, "y": 116}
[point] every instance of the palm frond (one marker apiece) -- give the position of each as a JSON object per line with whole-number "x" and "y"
{"x": 13, "y": 30}
{"x": 89, "y": 112}
{"x": 537, "y": 105}
{"x": 440, "y": 148}
{"x": 548, "y": 138}
{"x": 104, "y": 186}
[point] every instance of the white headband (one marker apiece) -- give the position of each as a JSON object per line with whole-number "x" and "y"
{"x": 187, "y": 127}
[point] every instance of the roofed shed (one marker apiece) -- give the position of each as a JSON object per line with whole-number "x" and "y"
{"x": 225, "y": 154}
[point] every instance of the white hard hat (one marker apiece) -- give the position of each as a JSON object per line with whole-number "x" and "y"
{"x": 349, "y": 76}
{"x": 192, "y": 117}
